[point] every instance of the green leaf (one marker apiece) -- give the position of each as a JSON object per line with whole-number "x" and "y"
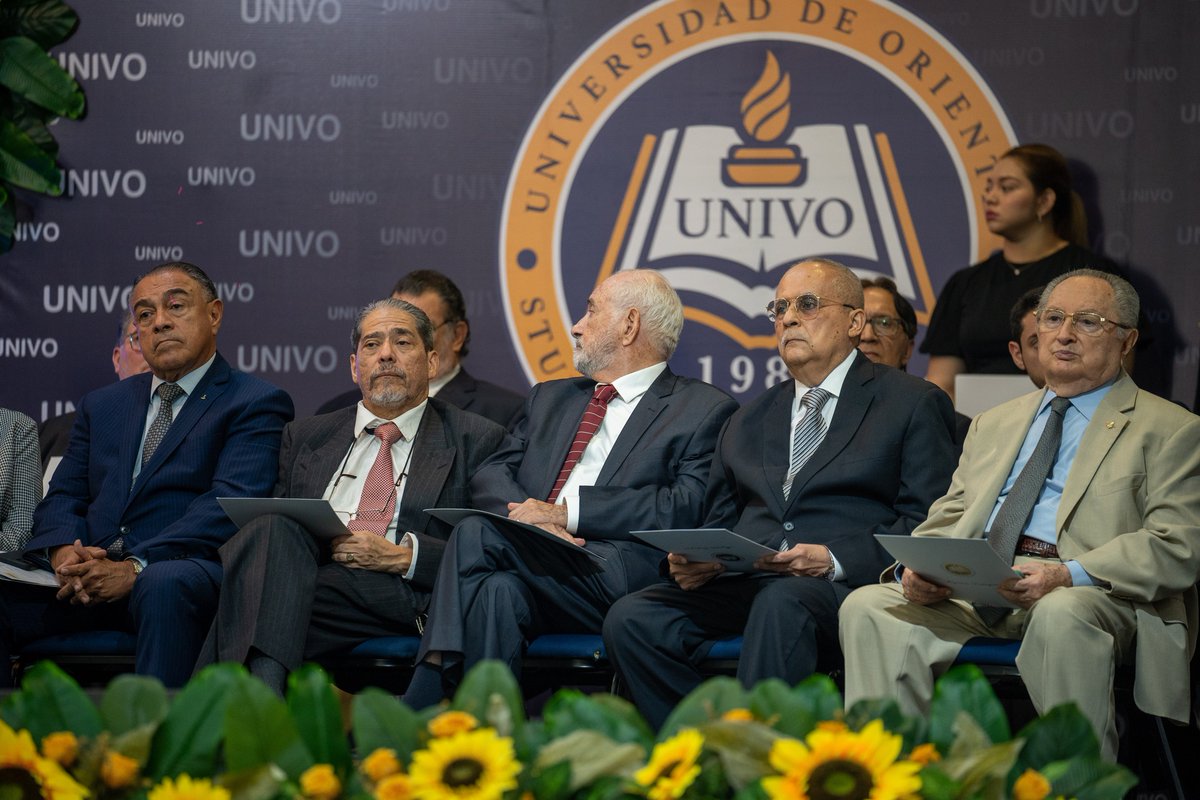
{"x": 965, "y": 689}
{"x": 1062, "y": 733}
{"x": 914, "y": 730}
{"x": 318, "y": 717}
{"x": 707, "y": 702}
{"x": 188, "y": 738}
{"x": 744, "y": 749}
{"x": 24, "y": 164}
{"x": 571, "y": 710}
{"x": 30, "y": 72}
{"x": 588, "y": 756}
{"x": 56, "y": 703}
{"x": 490, "y": 693}
{"x": 1088, "y": 777}
{"x": 31, "y": 121}
{"x": 259, "y": 783}
{"x": 380, "y": 720}
{"x": 132, "y": 701}
{"x": 136, "y": 743}
{"x": 47, "y": 22}
{"x": 937, "y": 785}
{"x": 796, "y": 710}
{"x": 259, "y": 731}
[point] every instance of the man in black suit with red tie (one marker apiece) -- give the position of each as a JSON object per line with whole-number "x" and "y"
{"x": 623, "y": 448}
{"x": 812, "y": 469}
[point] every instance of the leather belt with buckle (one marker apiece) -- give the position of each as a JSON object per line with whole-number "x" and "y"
{"x": 1028, "y": 546}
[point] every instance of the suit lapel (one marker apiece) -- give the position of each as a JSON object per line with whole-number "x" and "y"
{"x": 648, "y": 408}
{"x": 319, "y": 459}
{"x": 428, "y": 468}
{"x": 1003, "y": 445}
{"x": 134, "y": 427}
{"x": 1101, "y": 434}
{"x": 559, "y": 442}
{"x": 778, "y": 423}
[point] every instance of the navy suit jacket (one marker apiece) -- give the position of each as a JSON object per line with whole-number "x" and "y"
{"x": 888, "y": 454}
{"x": 654, "y": 477}
{"x": 450, "y": 446}
{"x": 223, "y": 442}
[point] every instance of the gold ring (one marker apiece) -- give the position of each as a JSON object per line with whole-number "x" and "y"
{"x": 349, "y": 556}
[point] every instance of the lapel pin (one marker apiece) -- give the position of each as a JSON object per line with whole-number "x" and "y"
{"x": 205, "y": 397}
{"x": 1110, "y": 424}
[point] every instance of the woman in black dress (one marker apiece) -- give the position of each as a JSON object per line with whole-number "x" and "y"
{"x": 1028, "y": 202}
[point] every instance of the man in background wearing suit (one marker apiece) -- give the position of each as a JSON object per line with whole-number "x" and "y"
{"x": 623, "y": 448}
{"x": 443, "y": 303}
{"x": 811, "y": 469}
{"x": 127, "y": 360}
{"x": 1093, "y": 486}
{"x": 131, "y": 524}
{"x": 287, "y": 596}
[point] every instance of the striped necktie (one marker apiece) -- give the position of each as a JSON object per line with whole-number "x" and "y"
{"x": 809, "y": 434}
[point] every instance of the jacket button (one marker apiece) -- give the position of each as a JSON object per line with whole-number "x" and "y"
{"x": 787, "y": 526}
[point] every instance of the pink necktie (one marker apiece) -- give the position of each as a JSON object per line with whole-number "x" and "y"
{"x": 593, "y": 415}
{"x": 377, "y": 505}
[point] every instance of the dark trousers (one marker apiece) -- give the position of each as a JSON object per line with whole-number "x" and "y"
{"x": 494, "y": 593}
{"x": 658, "y": 637}
{"x": 169, "y": 610}
{"x": 283, "y": 598}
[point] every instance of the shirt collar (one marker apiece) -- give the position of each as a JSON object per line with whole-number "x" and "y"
{"x": 436, "y": 384}
{"x": 633, "y": 385}
{"x": 188, "y": 382}
{"x": 834, "y": 380}
{"x": 408, "y": 422}
{"x": 1085, "y": 403}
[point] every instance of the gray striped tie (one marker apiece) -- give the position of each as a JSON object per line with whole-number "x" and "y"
{"x": 809, "y": 434}
{"x": 168, "y": 393}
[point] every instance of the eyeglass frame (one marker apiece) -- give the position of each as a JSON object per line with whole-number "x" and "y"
{"x": 1074, "y": 316}
{"x": 135, "y": 341}
{"x": 822, "y": 302}
{"x": 896, "y": 321}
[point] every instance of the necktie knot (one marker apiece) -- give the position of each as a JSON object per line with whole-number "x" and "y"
{"x": 388, "y": 434}
{"x": 604, "y": 393}
{"x": 814, "y": 399}
{"x": 168, "y": 393}
{"x": 1059, "y": 405}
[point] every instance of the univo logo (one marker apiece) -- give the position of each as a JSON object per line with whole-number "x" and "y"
{"x": 720, "y": 142}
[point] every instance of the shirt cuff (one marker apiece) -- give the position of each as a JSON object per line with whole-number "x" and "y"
{"x": 839, "y": 574}
{"x": 1079, "y": 576}
{"x": 572, "y": 504}
{"x": 408, "y": 540}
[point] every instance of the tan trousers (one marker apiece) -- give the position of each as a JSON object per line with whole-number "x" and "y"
{"x": 1072, "y": 641}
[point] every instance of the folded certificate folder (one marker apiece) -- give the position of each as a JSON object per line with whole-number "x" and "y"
{"x": 970, "y": 567}
{"x": 317, "y": 516}
{"x": 736, "y": 552}
{"x": 21, "y": 567}
{"x": 510, "y": 527}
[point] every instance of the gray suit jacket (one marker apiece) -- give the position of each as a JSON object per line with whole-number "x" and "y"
{"x": 450, "y": 446}
{"x": 1129, "y": 514}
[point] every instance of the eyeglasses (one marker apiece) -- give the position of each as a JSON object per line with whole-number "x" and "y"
{"x": 886, "y": 326}
{"x": 1085, "y": 322}
{"x": 134, "y": 342}
{"x": 806, "y": 305}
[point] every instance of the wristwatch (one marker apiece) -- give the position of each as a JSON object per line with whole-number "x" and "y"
{"x": 138, "y": 565}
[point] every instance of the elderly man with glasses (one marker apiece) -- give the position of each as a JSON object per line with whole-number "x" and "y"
{"x": 812, "y": 469}
{"x": 1091, "y": 488}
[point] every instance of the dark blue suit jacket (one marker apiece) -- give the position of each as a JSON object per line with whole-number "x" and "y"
{"x": 888, "y": 454}
{"x": 223, "y": 442}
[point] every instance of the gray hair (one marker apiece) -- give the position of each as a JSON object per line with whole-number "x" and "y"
{"x": 1125, "y": 297}
{"x": 847, "y": 284}
{"x": 658, "y": 305}
{"x": 191, "y": 270}
{"x": 424, "y": 326}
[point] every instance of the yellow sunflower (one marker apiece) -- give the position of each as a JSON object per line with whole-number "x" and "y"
{"x": 185, "y": 788}
{"x": 672, "y": 766}
{"x": 842, "y": 765}
{"x": 448, "y": 723}
{"x": 476, "y": 765}
{"x": 925, "y": 754}
{"x": 117, "y": 770}
{"x": 381, "y": 763}
{"x": 35, "y": 776}
{"x": 320, "y": 782}
{"x": 1032, "y": 785}
{"x": 394, "y": 787}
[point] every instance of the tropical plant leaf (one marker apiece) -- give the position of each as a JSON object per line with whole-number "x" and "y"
{"x": 30, "y": 72}
{"x": 46, "y": 22}
{"x": 707, "y": 702}
{"x": 318, "y": 717}
{"x": 570, "y": 711}
{"x": 56, "y": 703}
{"x": 189, "y": 736}
{"x": 914, "y": 730}
{"x": 132, "y": 701}
{"x": 259, "y": 731}
{"x": 31, "y": 121}
{"x": 259, "y": 783}
{"x": 743, "y": 748}
{"x": 380, "y": 720}
{"x": 796, "y": 710}
{"x": 965, "y": 689}
{"x": 590, "y": 755}
{"x": 24, "y": 164}
{"x": 1088, "y": 777}
{"x": 490, "y": 693}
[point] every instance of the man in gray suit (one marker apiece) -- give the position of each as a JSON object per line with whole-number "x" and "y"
{"x": 626, "y": 447}
{"x": 287, "y": 597}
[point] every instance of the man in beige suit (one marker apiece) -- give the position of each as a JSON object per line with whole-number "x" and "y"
{"x": 1108, "y": 542}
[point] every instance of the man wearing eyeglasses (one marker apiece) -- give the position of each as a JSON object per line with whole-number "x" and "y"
{"x": 288, "y": 597}
{"x": 131, "y": 524}
{"x": 811, "y": 469}
{"x": 442, "y": 301}
{"x": 1091, "y": 489}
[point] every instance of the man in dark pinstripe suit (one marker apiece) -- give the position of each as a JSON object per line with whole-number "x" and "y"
{"x": 287, "y": 597}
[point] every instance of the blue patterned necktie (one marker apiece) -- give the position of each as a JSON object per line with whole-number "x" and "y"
{"x": 809, "y": 434}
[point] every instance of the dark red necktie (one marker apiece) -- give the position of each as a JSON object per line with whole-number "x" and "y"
{"x": 593, "y": 415}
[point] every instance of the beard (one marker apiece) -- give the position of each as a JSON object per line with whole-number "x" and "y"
{"x": 596, "y": 356}
{"x": 391, "y": 392}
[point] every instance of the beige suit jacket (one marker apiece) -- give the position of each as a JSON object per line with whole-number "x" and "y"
{"x": 1130, "y": 515}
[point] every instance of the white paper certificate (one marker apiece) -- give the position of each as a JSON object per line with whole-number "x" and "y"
{"x": 736, "y": 552}
{"x": 316, "y": 515}
{"x": 968, "y": 566}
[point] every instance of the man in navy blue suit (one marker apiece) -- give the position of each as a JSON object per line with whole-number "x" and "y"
{"x": 131, "y": 523}
{"x": 812, "y": 469}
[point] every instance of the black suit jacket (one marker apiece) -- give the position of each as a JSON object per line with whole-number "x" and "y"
{"x": 450, "y": 446}
{"x": 888, "y": 454}
{"x": 654, "y": 476}
{"x": 53, "y": 435}
{"x": 486, "y": 399}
